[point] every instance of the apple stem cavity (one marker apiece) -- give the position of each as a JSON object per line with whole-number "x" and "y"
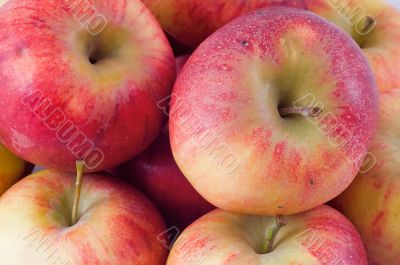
{"x": 305, "y": 111}
{"x": 80, "y": 165}
{"x": 279, "y": 222}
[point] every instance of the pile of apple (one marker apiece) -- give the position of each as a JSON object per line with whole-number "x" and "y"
{"x": 274, "y": 109}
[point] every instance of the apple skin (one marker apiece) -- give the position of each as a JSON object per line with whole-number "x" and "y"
{"x": 319, "y": 236}
{"x": 59, "y": 107}
{"x": 117, "y": 224}
{"x": 180, "y": 62}
{"x": 155, "y": 173}
{"x": 226, "y": 133}
{"x": 382, "y": 49}
{"x": 372, "y": 201}
{"x": 191, "y": 22}
{"x": 381, "y": 45}
{"x": 12, "y": 168}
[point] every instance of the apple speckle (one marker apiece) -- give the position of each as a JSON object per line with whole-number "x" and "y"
{"x": 245, "y": 43}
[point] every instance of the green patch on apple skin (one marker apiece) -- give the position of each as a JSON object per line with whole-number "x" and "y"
{"x": 62, "y": 209}
{"x": 104, "y": 58}
{"x": 363, "y": 32}
{"x": 300, "y": 79}
{"x": 107, "y": 44}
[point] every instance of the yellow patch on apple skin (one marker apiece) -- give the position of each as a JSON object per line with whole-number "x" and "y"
{"x": 11, "y": 168}
{"x": 101, "y": 85}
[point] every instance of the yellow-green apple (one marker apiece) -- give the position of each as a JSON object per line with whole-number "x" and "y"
{"x": 242, "y": 126}
{"x": 191, "y": 22}
{"x": 319, "y": 236}
{"x": 375, "y": 26}
{"x": 372, "y": 201}
{"x": 81, "y": 80}
{"x": 116, "y": 224}
{"x": 12, "y": 168}
{"x": 155, "y": 173}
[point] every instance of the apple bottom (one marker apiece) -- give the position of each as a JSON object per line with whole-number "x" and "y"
{"x": 319, "y": 236}
{"x": 116, "y": 224}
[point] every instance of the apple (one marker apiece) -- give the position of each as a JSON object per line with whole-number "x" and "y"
{"x": 243, "y": 129}
{"x": 81, "y": 80}
{"x": 375, "y": 26}
{"x": 115, "y": 225}
{"x": 372, "y": 201}
{"x": 155, "y": 173}
{"x": 319, "y": 236}
{"x": 12, "y": 168}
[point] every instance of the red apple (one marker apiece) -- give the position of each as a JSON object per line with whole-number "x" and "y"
{"x": 72, "y": 88}
{"x": 372, "y": 201}
{"x": 116, "y": 225}
{"x": 155, "y": 173}
{"x": 319, "y": 236}
{"x": 243, "y": 129}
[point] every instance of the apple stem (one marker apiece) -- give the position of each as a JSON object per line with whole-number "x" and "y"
{"x": 361, "y": 34}
{"x": 279, "y": 222}
{"x": 80, "y": 165}
{"x": 369, "y": 23}
{"x": 305, "y": 111}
